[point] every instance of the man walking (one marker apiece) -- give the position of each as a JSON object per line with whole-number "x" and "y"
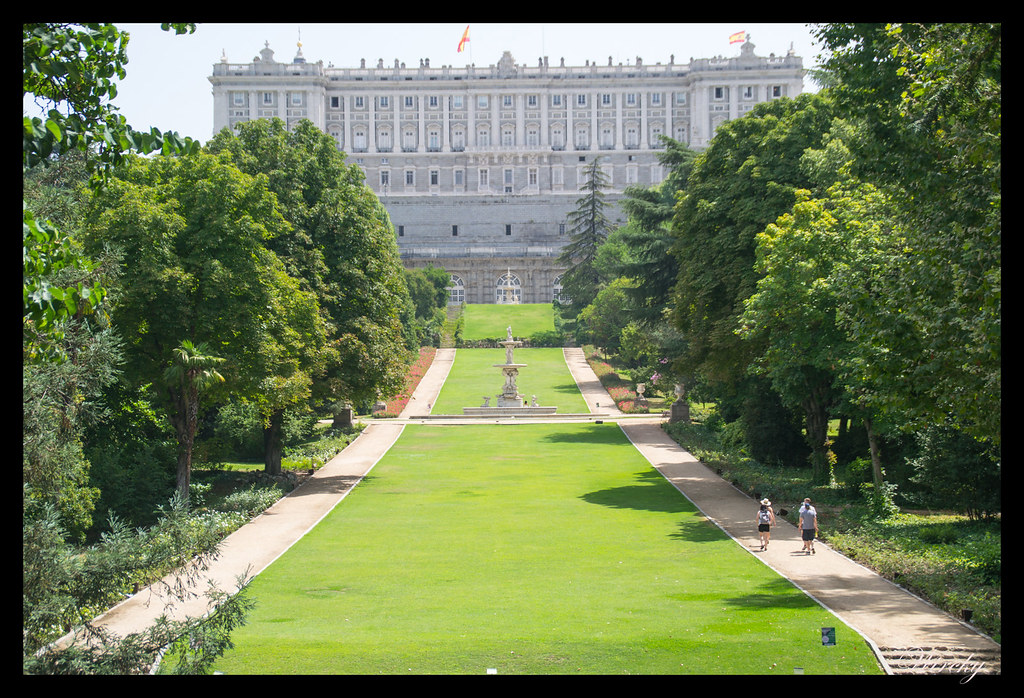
{"x": 808, "y": 525}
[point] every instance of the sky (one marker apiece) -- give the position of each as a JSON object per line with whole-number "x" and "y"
{"x": 167, "y": 83}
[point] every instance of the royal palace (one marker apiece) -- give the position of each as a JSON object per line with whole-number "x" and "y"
{"x": 479, "y": 167}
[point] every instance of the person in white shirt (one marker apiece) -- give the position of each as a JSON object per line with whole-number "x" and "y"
{"x": 765, "y": 521}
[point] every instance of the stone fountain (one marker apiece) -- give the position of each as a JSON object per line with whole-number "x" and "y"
{"x": 510, "y": 402}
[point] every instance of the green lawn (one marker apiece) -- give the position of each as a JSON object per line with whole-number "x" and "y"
{"x": 489, "y": 321}
{"x": 474, "y": 375}
{"x": 528, "y": 549}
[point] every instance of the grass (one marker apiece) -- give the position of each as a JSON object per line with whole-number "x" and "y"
{"x": 474, "y": 375}
{"x": 528, "y": 549}
{"x": 490, "y": 321}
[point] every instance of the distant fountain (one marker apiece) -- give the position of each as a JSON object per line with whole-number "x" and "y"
{"x": 510, "y": 396}
{"x": 510, "y": 402}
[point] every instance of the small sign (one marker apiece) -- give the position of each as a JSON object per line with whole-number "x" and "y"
{"x": 828, "y": 637}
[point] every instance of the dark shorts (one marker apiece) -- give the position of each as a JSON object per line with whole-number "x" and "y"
{"x": 764, "y": 528}
{"x": 808, "y": 533}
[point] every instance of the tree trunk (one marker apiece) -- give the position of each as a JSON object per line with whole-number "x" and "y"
{"x": 272, "y": 444}
{"x": 184, "y": 422}
{"x": 817, "y": 434}
{"x": 876, "y": 458}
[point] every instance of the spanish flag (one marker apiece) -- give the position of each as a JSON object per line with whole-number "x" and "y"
{"x": 465, "y": 38}
{"x": 737, "y": 38}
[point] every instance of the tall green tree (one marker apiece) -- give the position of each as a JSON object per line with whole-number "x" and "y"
{"x": 193, "y": 234}
{"x": 929, "y": 96}
{"x": 819, "y": 264}
{"x": 648, "y": 235}
{"x": 588, "y": 228}
{"x": 342, "y": 246}
{"x": 603, "y": 320}
{"x": 746, "y": 178}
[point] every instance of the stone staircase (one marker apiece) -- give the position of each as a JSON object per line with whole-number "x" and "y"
{"x": 448, "y": 330}
{"x": 942, "y": 661}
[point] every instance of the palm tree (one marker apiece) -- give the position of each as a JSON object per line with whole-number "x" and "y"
{"x": 192, "y": 370}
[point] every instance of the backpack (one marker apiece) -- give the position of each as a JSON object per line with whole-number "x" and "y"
{"x": 763, "y": 516}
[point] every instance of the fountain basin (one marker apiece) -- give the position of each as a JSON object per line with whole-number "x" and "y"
{"x": 508, "y": 411}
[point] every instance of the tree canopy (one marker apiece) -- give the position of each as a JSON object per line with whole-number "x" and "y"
{"x": 342, "y": 246}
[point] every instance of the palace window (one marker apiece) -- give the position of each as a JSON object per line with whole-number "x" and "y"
{"x": 508, "y": 289}
{"x": 456, "y": 290}
{"x": 556, "y": 291}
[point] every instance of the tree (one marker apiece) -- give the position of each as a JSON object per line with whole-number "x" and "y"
{"x": 603, "y": 320}
{"x": 70, "y": 353}
{"x": 793, "y": 312}
{"x": 742, "y": 182}
{"x": 192, "y": 370}
{"x": 929, "y": 96}
{"x": 648, "y": 234}
{"x": 193, "y": 232}
{"x": 588, "y": 228}
{"x": 428, "y": 304}
{"x": 70, "y": 70}
{"x": 341, "y": 245}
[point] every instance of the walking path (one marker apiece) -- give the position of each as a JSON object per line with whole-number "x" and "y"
{"x": 908, "y": 634}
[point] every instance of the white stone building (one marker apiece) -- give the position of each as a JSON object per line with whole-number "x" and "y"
{"x": 479, "y": 167}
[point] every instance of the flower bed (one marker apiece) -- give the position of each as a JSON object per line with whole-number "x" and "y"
{"x": 419, "y": 367}
{"x": 616, "y": 385}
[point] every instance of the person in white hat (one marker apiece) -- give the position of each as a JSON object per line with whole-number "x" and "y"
{"x": 765, "y": 521}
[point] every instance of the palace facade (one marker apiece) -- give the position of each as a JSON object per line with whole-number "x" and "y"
{"x": 480, "y": 167}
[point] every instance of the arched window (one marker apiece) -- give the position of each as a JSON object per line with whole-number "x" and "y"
{"x": 508, "y": 289}
{"x": 456, "y": 291}
{"x": 556, "y": 292}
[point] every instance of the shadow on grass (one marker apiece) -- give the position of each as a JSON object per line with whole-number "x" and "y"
{"x": 698, "y": 530}
{"x": 647, "y": 495}
{"x": 773, "y": 595}
{"x": 597, "y": 434}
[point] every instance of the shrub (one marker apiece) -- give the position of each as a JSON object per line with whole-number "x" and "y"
{"x": 732, "y": 438}
{"x": 959, "y": 472}
{"x": 880, "y": 499}
{"x": 941, "y": 533}
{"x": 251, "y": 501}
